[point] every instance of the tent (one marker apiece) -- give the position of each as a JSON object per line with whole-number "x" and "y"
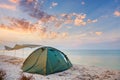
{"x": 46, "y": 60}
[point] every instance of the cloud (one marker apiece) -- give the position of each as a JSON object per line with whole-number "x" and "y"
{"x": 17, "y": 36}
{"x": 69, "y": 21}
{"x": 64, "y": 19}
{"x": 36, "y": 33}
{"x": 30, "y": 1}
{"x": 64, "y": 35}
{"x": 67, "y": 18}
{"x": 68, "y": 27}
{"x": 21, "y": 25}
{"x": 98, "y": 33}
{"x": 116, "y": 1}
{"x": 58, "y": 24}
{"x": 92, "y": 21}
{"x": 53, "y": 35}
{"x": 25, "y": 36}
{"x": 83, "y": 3}
{"x": 25, "y": 26}
{"x": 6, "y": 6}
{"x": 53, "y": 4}
{"x": 79, "y": 20}
{"x": 117, "y": 13}
{"x": 33, "y": 8}
{"x": 76, "y": 19}
{"x": 48, "y": 19}
{"x": 14, "y": 1}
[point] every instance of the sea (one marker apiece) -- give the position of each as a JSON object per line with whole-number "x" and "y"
{"x": 101, "y": 58}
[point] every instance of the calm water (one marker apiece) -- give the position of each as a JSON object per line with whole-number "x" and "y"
{"x": 102, "y": 58}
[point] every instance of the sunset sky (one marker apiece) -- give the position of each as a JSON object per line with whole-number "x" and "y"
{"x": 67, "y": 24}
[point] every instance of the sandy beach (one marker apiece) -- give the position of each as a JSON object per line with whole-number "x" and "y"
{"x": 12, "y": 67}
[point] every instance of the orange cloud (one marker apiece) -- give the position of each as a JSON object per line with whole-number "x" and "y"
{"x": 98, "y": 33}
{"x": 14, "y": 1}
{"x": 117, "y": 13}
{"x": 69, "y": 21}
{"x": 30, "y": 1}
{"x": 17, "y": 36}
{"x": 79, "y": 20}
{"x": 67, "y": 18}
{"x": 22, "y": 29}
{"x": 6, "y": 6}
{"x": 64, "y": 34}
{"x": 53, "y": 35}
{"x": 76, "y": 19}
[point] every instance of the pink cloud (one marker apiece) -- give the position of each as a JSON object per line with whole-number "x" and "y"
{"x": 6, "y": 6}
{"x": 29, "y": 1}
{"x": 14, "y": 1}
{"x": 117, "y": 13}
{"x": 98, "y": 33}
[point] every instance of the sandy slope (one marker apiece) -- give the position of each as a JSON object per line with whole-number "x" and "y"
{"x": 12, "y": 66}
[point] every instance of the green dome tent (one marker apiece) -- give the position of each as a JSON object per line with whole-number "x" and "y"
{"x": 46, "y": 60}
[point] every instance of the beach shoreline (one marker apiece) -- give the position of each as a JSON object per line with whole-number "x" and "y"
{"x": 12, "y": 66}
